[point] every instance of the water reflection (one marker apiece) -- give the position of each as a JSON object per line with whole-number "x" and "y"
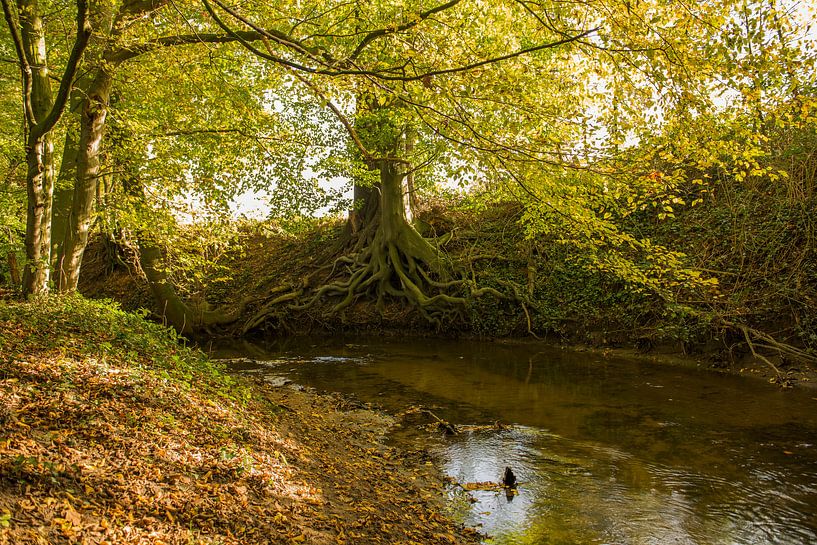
{"x": 607, "y": 450}
{"x": 576, "y": 492}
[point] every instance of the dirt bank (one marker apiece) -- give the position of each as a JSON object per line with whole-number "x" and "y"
{"x": 111, "y": 433}
{"x": 556, "y": 298}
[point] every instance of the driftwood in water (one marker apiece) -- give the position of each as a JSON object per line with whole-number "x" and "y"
{"x": 413, "y": 412}
{"x": 508, "y": 484}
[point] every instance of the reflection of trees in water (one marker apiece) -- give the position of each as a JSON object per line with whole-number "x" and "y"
{"x": 644, "y": 454}
{"x": 580, "y": 493}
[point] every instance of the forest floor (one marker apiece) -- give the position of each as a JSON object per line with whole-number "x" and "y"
{"x": 113, "y": 433}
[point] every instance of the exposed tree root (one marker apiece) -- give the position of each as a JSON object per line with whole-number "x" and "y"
{"x": 398, "y": 268}
{"x": 752, "y": 336}
{"x": 382, "y": 264}
{"x": 384, "y": 259}
{"x": 261, "y": 315}
{"x": 518, "y": 297}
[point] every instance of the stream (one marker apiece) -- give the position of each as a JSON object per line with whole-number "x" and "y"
{"x": 608, "y": 450}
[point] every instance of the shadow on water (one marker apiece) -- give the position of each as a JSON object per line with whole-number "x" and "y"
{"x": 608, "y": 450}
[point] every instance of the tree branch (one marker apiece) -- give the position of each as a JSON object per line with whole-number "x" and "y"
{"x": 371, "y": 36}
{"x": 80, "y": 43}
{"x": 25, "y": 67}
{"x": 379, "y": 74}
{"x": 492, "y": 60}
{"x": 367, "y": 155}
{"x": 254, "y": 50}
{"x": 128, "y": 52}
{"x": 275, "y": 35}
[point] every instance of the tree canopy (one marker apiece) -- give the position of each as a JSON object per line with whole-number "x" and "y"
{"x": 589, "y": 114}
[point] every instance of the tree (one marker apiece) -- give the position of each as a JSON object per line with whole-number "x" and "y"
{"x": 403, "y": 66}
{"x": 546, "y": 102}
{"x": 42, "y": 112}
{"x": 116, "y": 43}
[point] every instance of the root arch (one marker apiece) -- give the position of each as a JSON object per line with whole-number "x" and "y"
{"x": 384, "y": 259}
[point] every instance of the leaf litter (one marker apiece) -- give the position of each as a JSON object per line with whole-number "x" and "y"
{"x": 105, "y": 448}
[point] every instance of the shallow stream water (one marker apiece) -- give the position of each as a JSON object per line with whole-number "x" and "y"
{"x": 608, "y": 450}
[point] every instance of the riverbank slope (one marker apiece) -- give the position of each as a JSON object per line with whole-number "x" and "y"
{"x": 751, "y": 315}
{"x": 112, "y": 432}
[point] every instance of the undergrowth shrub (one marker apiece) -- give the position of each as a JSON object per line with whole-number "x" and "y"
{"x": 101, "y": 329}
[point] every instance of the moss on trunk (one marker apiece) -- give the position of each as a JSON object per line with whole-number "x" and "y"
{"x": 185, "y": 318}
{"x": 391, "y": 260}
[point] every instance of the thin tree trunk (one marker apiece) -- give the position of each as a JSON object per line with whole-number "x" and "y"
{"x": 411, "y": 191}
{"x": 14, "y": 269}
{"x": 94, "y": 113}
{"x": 39, "y": 153}
{"x": 42, "y": 112}
{"x": 39, "y": 188}
{"x": 64, "y": 186}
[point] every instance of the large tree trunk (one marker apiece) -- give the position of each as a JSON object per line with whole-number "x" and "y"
{"x": 94, "y": 113}
{"x": 393, "y": 259}
{"x": 394, "y": 224}
{"x": 42, "y": 111}
{"x": 366, "y": 207}
{"x": 39, "y": 154}
{"x": 94, "y": 99}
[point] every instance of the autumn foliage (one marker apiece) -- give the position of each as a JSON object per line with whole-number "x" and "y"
{"x": 112, "y": 433}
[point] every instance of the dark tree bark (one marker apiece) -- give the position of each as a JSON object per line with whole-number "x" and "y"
{"x": 365, "y": 208}
{"x": 14, "y": 270}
